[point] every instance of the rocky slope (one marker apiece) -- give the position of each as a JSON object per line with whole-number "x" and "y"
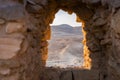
{"x": 65, "y": 46}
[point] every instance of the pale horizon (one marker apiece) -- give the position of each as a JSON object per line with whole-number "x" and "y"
{"x": 63, "y": 17}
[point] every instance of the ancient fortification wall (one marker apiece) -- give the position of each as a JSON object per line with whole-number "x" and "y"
{"x": 25, "y": 29}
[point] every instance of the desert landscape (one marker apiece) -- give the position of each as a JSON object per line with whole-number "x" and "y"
{"x": 65, "y": 47}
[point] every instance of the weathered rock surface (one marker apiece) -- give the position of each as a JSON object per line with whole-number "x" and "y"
{"x": 101, "y": 37}
{"x": 71, "y": 74}
{"x": 67, "y": 75}
{"x": 14, "y": 27}
{"x": 4, "y": 71}
{"x": 9, "y": 47}
{"x": 115, "y": 22}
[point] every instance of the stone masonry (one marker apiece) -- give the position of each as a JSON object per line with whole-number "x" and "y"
{"x": 25, "y": 29}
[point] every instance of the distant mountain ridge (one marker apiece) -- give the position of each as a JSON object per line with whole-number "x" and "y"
{"x": 67, "y": 29}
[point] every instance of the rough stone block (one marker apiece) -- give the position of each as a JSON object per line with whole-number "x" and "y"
{"x": 91, "y": 1}
{"x": 38, "y": 1}
{"x": 114, "y": 3}
{"x": 106, "y": 41}
{"x": 115, "y": 22}
{"x": 14, "y": 27}
{"x": 10, "y": 41}
{"x": 15, "y": 35}
{"x": 66, "y": 75}
{"x": 99, "y": 22}
{"x": 9, "y": 47}
{"x": 4, "y": 71}
{"x": 2, "y": 21}
{"x": 12, "y": 77}
{"x": 10, "y": 10}
{"x": 86, "y": 75}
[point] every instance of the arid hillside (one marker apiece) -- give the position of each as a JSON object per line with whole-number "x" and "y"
{"x": 65, "y": 46}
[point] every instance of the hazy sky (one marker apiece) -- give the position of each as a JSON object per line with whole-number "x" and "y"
{"x": 63, "y": 17}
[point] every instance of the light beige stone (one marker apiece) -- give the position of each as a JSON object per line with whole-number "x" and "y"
{"x": 2, "y": 21}
{"x": 6, "y": 54}
{"x": 25, "y": 46}
{"x": 12, "y": 77}
{"x": 10, "y": 41}
{"x": 14, "y": 35}
{"x": 14, "y": 27}
{"x": 99, "y": 22}
{"x": 115, "y": 22}
{"x": 9, "y": 47}
{"x": 4, "y": 71}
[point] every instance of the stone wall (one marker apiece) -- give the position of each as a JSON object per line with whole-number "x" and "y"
{"x": 25, "y": 29}
{"x": 19, "y": 50}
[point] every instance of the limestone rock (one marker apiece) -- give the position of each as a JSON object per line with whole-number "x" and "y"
{"x": 114, "y": 3}
{"x": 12, "y": 77}
{"x": 37, "y": 1}
{"x": 4, "y": 71}
{"x": 2, "y": 21}
{"x": 11, "y": 11}
{"x": 8, "y": 64}
{"x": 14, "y": 35}
{"x": 115, "y": 22}
{"x": 9, "y": 47}
{"x": 99, "y": 22}
{"x": 24, "y": 46}
{"x": 14, "y": 27}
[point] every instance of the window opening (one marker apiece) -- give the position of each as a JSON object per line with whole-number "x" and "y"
{"x": 65, "y": 47}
